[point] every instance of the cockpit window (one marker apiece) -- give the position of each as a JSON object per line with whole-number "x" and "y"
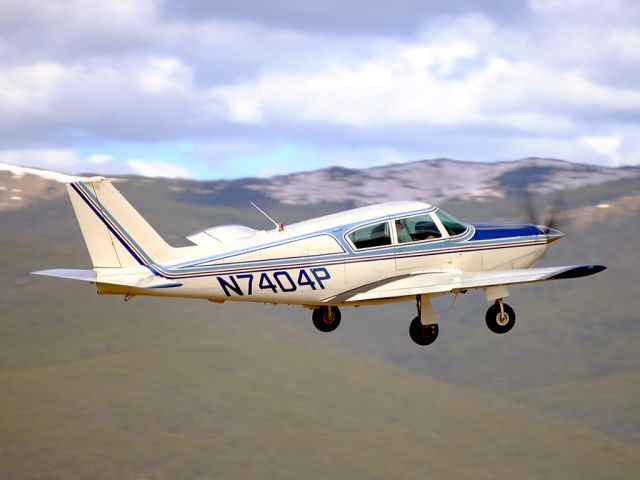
{"x": 377, "y": 235}
{"x": 415, "y": 229}
{"x": 452, "y": 225}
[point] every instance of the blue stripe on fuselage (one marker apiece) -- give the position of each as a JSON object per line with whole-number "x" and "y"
{"x": 494, "y": 231}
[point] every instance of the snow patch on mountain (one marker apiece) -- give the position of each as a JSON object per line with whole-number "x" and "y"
{"x": 19, "y": 171}
{"x": 433, "y": 181}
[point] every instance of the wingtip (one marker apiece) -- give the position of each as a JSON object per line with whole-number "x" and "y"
{"x": 579, "y": 271}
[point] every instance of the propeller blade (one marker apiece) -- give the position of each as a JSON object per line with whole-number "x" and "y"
{"x": 556, "y": 214}
{"x": 529, "y": 207}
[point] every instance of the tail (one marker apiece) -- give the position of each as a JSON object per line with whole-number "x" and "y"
{"x": 115, "y": 233}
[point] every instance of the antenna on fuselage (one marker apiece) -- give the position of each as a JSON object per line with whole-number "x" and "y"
{"x": 280, "y": 226}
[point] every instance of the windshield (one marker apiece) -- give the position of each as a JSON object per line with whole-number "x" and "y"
{"x": 451, "y": 224}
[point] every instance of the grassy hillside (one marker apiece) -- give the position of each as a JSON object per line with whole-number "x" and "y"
{"x": 615, "y": 397}
{"x": 92, "y": 387}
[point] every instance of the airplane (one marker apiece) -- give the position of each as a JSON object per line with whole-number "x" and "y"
{"x": 390, "y": 252}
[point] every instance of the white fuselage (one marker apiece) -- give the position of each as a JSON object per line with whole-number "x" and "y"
{"x": 310, "y": 262}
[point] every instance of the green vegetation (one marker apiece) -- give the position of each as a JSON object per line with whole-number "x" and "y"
{"x": 92, "y": 387}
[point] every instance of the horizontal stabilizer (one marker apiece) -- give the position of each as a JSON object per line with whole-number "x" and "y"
{"x": 454, "y": 281}
{"x": 136, "y": 279}
{"x": 71, "y": 274}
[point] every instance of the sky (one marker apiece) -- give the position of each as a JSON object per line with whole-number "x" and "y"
{"x": 226, "y": 89}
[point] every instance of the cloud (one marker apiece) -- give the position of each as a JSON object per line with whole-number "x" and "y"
{"x": 616, "y": 148}
{"x": 412, "y": 84}
{"x": 99, "y": 159}
{"x": 401, "y": 17}
{"x": 164, "y": 75}
{"x": 234, "y": 80}
{"x": 59, "y": 158}
{"x": 159, "y": 169}
{"x": 607, "y": 145}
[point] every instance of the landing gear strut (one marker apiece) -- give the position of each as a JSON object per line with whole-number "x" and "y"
{"x": 500, "y": 317}
{"x": 424, "y": 329}
{"x": 326, "y": 319}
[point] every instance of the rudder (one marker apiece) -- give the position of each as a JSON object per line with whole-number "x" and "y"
{"x": 117, "y": 236}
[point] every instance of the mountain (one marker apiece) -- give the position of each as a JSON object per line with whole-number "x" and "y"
{"x": 22, "y": 186}
{"x": 433, "y": 181}
{"x": 94, "y": 387}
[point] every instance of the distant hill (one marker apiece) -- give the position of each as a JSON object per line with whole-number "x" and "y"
{"x": 22, "y": 186}
{"x": 93, "y": 387}
{"x": 433, "y": 181}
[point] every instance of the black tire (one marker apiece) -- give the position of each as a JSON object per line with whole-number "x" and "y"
{"x": 423, "y": 334}
{"x": 325, "y": 320}
{"x": 497, "y": 324}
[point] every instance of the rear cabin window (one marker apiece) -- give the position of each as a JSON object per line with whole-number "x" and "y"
{"x": 377, "y": 235}
{"x": 453, "y": 226}
{"x": 416, "y": 229}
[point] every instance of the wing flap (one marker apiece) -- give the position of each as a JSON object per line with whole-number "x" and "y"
{"x": 447, "y": 282}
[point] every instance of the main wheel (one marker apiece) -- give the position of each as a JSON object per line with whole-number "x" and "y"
{"x": 498, "y": 321}
{"x": 423, "y": 334}
{"x": 326, "y": 319}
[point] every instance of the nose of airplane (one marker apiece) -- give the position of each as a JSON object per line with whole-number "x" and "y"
{"x": 551, "y": 233}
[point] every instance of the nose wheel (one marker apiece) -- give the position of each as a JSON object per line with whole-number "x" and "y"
{"x": 326, "y": 319}
{"x": 500, "y": 317}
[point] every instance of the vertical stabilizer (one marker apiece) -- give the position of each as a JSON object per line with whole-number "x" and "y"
{"x": 116, "y": 235}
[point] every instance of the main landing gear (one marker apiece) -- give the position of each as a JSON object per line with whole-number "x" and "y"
{"x": 424, "y": 329}
{"x": 500, "y": 317}
{"x": 423, "y": 334}
{"x": 326, "y": 319}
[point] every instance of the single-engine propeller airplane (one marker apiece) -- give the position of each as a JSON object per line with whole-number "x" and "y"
{"x": 390, "y": 252}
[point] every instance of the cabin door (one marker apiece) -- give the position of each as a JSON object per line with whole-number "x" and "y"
{"x": 420, "y": 245}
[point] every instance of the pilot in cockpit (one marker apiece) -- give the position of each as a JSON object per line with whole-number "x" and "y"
{"x": 403, "y": 232}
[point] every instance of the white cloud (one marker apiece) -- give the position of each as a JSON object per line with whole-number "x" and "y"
{"x": 411, "y": 84}
{"x": 28, "y": 88}
{"x": 608, "y": 145}
{"x": 400, "y": 86}
{"x": 44, "y": 158}
{"x": 162, "y": 75}
{"x": 614, "y": 148}
{"x": 159, "y": 168}
{"x": 99, "y": 158}
{"x": 587, "y": 10}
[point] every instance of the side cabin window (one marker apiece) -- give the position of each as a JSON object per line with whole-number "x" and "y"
{"x": 416, "y": 229}
{"x": 453, "y": 225}
{"x": 377, "y": 235}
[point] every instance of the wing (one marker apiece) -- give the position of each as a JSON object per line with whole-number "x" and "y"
{"x": 454, "y": 281}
